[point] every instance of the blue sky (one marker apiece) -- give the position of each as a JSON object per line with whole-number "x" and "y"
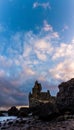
{"x": 36, "y": 43}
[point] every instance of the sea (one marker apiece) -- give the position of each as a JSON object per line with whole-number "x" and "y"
{"x": 4, "y": 118}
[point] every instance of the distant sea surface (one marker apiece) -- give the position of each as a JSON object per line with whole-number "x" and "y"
{"x": 6, "y": 108}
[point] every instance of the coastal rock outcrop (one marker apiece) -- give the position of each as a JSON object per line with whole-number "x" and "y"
{"x": 65, "y": 96}
{"x": 23, "y": 112}
{"x": 45, "y": 111}
{"x": 37, "y": 96}
{"x": 13, "y": 111}
{"x": 1, "y": 114}
{"x": 41, "y": 103}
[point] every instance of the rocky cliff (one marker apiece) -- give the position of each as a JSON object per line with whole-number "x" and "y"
{"x": 65, "y": 96}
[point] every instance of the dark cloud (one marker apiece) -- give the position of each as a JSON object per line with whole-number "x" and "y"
{"x": 51, "y": 86}
{"x": 11, "y": 95}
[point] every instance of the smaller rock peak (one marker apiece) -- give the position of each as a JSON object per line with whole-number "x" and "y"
{"x": 36, "y": 82}
{"x": 37, "y": 96}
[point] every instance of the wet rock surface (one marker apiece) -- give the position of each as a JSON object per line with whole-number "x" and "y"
{"x": 66, "y": 123}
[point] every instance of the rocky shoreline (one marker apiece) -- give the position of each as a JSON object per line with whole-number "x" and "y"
{"x": 61, "y": 123}
{"x": 58, "y": 115}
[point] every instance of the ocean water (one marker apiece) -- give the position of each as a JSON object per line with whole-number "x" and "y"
{"x": 4, "y": 118}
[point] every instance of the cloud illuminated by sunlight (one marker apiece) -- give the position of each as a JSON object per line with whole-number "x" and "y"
{"x": 43, "y": 5}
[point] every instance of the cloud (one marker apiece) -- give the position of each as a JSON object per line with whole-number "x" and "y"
{"x": 66, "y": 27}
{"x": 63, "y": 71}
{"x": 43, "y": 5}
{"x": 16, "y": 45}
{"x": 48, "y": 31}
{"x": 64, "y": 50}
{"x": 5, "y": 62}
{"x": 28, "y": 56}
{"x": 30, "y": 71}
{"x": 26, "y": 52}
{"x": 47, "y": 27}
{"x": 25, "y": 73}
{"x": 42, "y": 49}
{"x": 2, "y": 73}
{"x": 41, "y": 56}
{"x": 10, "y": 95}
{"x": 40, "y": 45}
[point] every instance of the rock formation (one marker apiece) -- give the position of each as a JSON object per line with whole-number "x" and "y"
{"x": 13, "y": 111}
{"x": 23, "y": 112}
{"x": 1, "y": 114}
{"x": 65, "y": 96}
{"x": 42, "y": 104}
{"x": 37, "y": 96}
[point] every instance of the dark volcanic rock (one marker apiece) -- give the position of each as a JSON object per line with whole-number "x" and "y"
{"x": 46, "y": 111}
{"x": 13, "y": 111}
{"x": 65, "y": 96}
{"x": 1, "y": 114}
{"x": 23, "y": 112}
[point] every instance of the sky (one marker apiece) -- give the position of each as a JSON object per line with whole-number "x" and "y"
{"x": 36, "y": 43}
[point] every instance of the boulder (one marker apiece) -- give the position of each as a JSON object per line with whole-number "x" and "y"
{"x": 23, "y": 112}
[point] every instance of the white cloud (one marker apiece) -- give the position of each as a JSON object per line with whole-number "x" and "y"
{"x": 55, "y": 35}
{"x": 27, "y": 51}
{"x": 43, "y": 45}
{"x": 64, "y": 50}
{"x": 35, "y": 5}
{"x": 73, "y": 41}
{"x": 42, "y": 49}
{"x": 41, "y": 56}
{"x": 47, "y": 27}
{"x": 43, "y": 5}
{"x": 66, "y": 27}
{"x": 63, "y": 70}
{"x": 30, "y": 72}
{"x": 49, "y": 32}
